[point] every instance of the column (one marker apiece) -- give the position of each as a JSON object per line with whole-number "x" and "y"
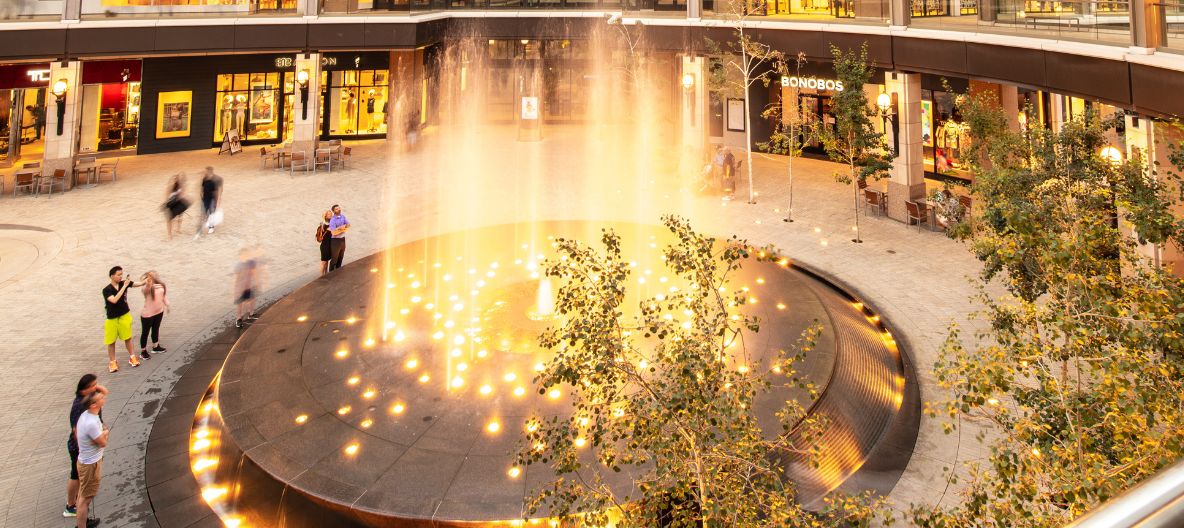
{"x": 900, "y": 13}
{"x": 307, "y": 106}
{"x": 693, "y": 109}
{"x": 907, "y": 181}
{"x": 1009, "y": 99}
{"x": 1148, "y": 26}
{"x": 694, "y": 9}
{"x": 405, "y": 110}
{"x": 1146, "y": 138}
{"x": 71, "y": 10}
{"x": 59, "y": 147}
{"x": 1056, "y": 110}
{"x": 309, "y": 8}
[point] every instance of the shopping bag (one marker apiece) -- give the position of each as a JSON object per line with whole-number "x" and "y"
{"x": 215, "y": 218}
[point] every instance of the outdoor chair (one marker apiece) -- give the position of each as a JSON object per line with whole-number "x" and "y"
{"x": 269, "y": 156}
{"x": 107, "y": 169}
{"x": 58, "y": 179}
{"x": 874, "y": 199}
{"x": 26, "y": 181}
{"x": 299, "y": 161}
{"x": 342, "y": 155}
{"x": 916, "y": 211}
{"x": 322, "y": 157}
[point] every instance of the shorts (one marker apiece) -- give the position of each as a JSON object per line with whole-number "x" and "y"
{"x": 89, "y": 476}
{"x": 120, "y": 327}
{"x": 246, "y": 296}
{"x": 73, "y": 464}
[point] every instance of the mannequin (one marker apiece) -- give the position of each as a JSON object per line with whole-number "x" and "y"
{"x": 370, "y": 110}
{"x": 226, "y": 117}
{"x": 351, "y": 112}
{"x": 240, "y": 114}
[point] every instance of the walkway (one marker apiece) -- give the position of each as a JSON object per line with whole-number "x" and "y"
{"x": 53, "y": 313}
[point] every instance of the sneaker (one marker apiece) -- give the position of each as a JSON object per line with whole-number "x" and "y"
{"x": 252, "y": 317}
{"x": 112, "y": 367}
{"x": 92, "y": 522}
{"x": 133, "y": 361}
{"x": 238, "y": 323}
{"x": 159, "y": 349}
{"x": 211, "y": 231}
{"x": 144, "y": 354}
{"x": 70, "y": 511}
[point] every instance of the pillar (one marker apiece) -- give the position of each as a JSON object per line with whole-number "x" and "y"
{"x": 71, "y": 11}
{"x": 693, "y": 111}
{"x": 528, "y": 104}
{"x": 900, "y": 13}
{"x": 59, "y": 148}
{"x": 305, "y": 134}
{"x": 1150, "y": 140}
{"x": 1056, "y": 110}
{"x": 694, "y": 9}
{"x": 907, "y": 181}
{"x": 1009, "y": 99}
{"x": 405, "y": 96}
{"x": 309, "y": 8}
{"x": 1148, "y": 26}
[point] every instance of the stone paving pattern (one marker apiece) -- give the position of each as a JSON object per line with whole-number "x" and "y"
{"x": 53, "y": 311}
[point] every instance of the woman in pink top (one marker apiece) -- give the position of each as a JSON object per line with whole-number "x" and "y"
{"x": 156, "y": 303}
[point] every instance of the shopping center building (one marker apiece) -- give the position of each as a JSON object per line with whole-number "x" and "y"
{"x": 111, "y": 78}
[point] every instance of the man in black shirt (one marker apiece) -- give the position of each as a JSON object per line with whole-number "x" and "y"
{"x": 88, "y": 385}
{"x": 211, "y": 198}
{"x": 119, "y": 318}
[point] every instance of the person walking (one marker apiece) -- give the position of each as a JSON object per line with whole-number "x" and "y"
{"x": 246, "y": 285}
{"x": 92, "y": 438}
{"x": 156, "y": 304}
{"x": 211, "y": 199}
{"x": 175, "y": 204}
{"x": 338, "y": 225}
{"x": 325, "y": 241}
{"x": 119, "y": 319}
{"x": 87, "y": 385}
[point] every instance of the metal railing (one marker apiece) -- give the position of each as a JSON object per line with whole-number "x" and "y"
{"x": 1155, "y": 502}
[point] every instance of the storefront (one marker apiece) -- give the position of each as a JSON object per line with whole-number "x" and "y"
{"x": 945, "y": 138}
{"x": 23, "y": 108}
{"x": 110, "y": 116}
{"x": 354, "y": 95}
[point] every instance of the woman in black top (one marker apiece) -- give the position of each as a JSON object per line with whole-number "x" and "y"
{"x": 326, "y": 239}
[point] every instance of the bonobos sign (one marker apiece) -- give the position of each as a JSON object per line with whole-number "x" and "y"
{"x": 812, "y": 83}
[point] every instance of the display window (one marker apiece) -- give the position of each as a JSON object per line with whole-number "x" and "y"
{"x": 355, "y": 102}
{"x": 109, "y": 119}
{"x": 945, "y": 138}
{"x": 834, "y": 8}
{"x": 23, "y": 107}
{"x": 252, "y": 104}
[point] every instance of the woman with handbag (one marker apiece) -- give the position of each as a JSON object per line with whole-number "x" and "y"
{"x": 325, "y": 240}
{"x": 175, "y": 204}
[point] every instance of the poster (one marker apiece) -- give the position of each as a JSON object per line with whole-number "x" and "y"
{"x": 173, "y": 111}
{"x": 927, "y": 123}
{"x": 262, "y": 103}
{"x": 530, "y": 108}
{"x": 736, "y": 115}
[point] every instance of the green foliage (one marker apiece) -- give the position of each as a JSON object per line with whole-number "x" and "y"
{"x": 657, "y": 393}
{"x": 1079, "y": 368}
{"x": 854, "y": 140}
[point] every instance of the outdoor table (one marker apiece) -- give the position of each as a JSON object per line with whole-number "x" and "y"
{"x": 91, "y": 169}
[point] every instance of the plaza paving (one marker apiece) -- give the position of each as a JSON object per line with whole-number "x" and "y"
{"x": 54, "y": 254}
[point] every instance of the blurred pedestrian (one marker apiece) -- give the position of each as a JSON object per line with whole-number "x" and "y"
{"x": 92, "y": 438}
{"x": 325, "y": 241}
{"x": 87, "y": 385}
{"x": 175, "y": 204}
{"x": 211, "y": 201}
{"x": 247, "y": 275}
{"x": 119, "y": 319}
{"x": 156, "y": 304}
{"x": 338, "y": 225}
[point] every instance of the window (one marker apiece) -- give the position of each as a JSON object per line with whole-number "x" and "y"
{"x": 249, "y": 103}
{"x": 355, "y": 101}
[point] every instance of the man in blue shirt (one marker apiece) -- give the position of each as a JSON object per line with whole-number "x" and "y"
{"x": 338, "y": 225}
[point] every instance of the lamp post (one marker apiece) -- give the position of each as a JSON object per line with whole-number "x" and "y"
{"x": 59, "y": 93}
{"x": 888, "y": 112}
{"x": 302, "y": 80}
{"x": 688, "y": 90}
{"x": 1111, "y": 154}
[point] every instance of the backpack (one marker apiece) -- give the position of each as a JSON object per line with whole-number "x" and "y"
{"x": 321, "y": 230}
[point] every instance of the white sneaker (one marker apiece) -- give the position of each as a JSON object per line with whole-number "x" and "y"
{"x": 211, "y": 231}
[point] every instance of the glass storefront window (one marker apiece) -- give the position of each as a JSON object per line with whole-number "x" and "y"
{"x": 110, "y": 117}
{"x": 355, "y": 102}
{"x": 945, "y": 138}
{"x": 250, "y": 104}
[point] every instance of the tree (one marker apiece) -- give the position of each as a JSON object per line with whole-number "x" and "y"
{"x": 854, "y": 140}
{"x": 792, "y": 126}
{"x": 744, "y": 64}
{"x": 667, "y": 395}
{"x": 1079, "y": 367}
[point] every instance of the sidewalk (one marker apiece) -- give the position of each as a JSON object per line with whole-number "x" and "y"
{"x": 53, "y": 308}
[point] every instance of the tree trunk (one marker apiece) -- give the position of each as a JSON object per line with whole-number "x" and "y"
{"x": 789, "y": 169}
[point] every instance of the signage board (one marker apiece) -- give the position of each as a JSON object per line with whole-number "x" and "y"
{"x": 813, "y": 83}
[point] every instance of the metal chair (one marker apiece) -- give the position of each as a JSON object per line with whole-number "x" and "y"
{"x": 300, "y": 161}
{"x": 916, "y": 211}
{"x": 272, "y": 157}
{"x": 108, "y": 169}
{"x": 322, "y": 156}
{"x": 24, "y": 180}
{"x": 342, "y": 155}
{"x": 58, "y": 178}
{"x": 875, "y": 199}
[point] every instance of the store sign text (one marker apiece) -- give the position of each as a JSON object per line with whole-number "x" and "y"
{"x": 38, "y": 75}
{"x": 812, "y": 83}
{"x": 287, "y": 62}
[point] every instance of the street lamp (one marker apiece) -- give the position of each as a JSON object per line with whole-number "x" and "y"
{"x": 688, "y": 81}
{"x": 59, "y": 92}
{"x": 888, "y": 110}
{"x": 1111, "y": 154}
{"x": 302, "y": 80}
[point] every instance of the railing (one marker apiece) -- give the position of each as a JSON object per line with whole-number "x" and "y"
{"x": 1155, "y": 502}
